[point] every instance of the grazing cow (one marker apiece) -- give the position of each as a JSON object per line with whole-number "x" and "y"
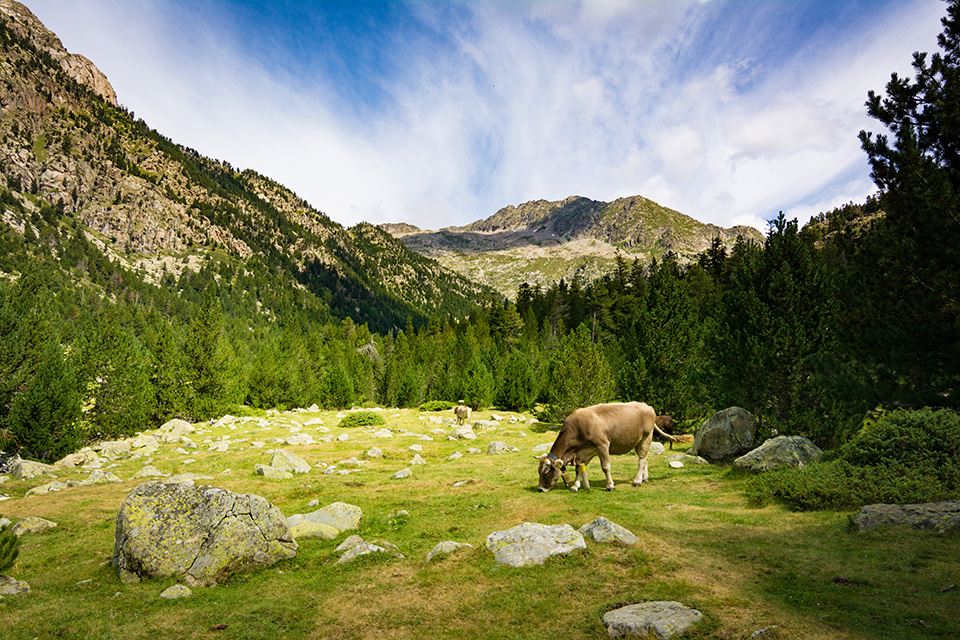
{"x": 600, "y": 430}
{"x": 665, "y": 424}
{"x": 462, "y": 412}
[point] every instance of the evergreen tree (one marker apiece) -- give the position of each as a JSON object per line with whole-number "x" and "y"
{"x": 516, "y": 387}
{"x": 168, "y": 377}
{"x": 579, "y": 375}
{"x": 904, "y": 289}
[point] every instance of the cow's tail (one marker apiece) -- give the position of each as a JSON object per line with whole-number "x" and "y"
{"x": 663, "y": 434}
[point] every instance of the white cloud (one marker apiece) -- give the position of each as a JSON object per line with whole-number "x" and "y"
{"x": 519, "y": 101}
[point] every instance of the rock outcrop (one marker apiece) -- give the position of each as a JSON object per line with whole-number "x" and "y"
{"x": 727, "y": 435}
{"x": 782, "y": 451}
{"x": 938, "y": 516}
{"x": 200, "y": 534}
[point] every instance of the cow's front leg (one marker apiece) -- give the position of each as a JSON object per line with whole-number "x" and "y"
{"x": 643, "y": 473}
{"x": 605, "y": 465}
{"x": 582, "y": 474}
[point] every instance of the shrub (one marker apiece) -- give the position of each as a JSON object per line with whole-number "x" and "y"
{"x": 437, "y": 405}
{"x": 901, "y": 457}
{"x": 9, "y": 547}
{"x": 363, "y": 419}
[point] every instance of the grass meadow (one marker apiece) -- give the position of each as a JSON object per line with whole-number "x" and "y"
{"x": 747, "y": 569}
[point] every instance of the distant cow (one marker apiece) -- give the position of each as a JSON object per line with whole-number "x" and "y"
{"x": 462, "y": 412}
{"x": 665, "y": 424}
{"x": 601, "y": 430}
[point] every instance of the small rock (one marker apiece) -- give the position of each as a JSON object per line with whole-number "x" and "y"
{"x": 446, "y": 548}
{"x": 497, "y": 447}
{"x": 374, "y": 452}
{"x": 12, "y": 587}
{"x": 676, "y": 464}
{"x": 176, "y": 591}
{"x": 32, "y": 525}
{"x": 403, "y": 473}
{"x": 417, "y": 460}
{"x": 382, "y": 433}
{"x": 603, "y": 530}
{"x": 660, "y": 620}
{"x": 456, "y": 455}
{"x": 268, "y": 471}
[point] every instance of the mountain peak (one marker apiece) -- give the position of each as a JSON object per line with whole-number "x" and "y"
{"x": 27, "y": 26}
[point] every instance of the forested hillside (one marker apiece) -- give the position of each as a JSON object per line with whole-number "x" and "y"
{"x": 144, "y": 281}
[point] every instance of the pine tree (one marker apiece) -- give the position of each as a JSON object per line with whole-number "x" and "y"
{"x": 579, "y": 375}
{"x": 904, "y": 291}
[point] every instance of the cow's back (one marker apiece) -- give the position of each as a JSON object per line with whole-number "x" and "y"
{"x": 622, "y": 425}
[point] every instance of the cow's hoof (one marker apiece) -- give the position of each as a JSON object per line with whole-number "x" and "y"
{"x": 610, "y": 488}
{"x": 542, "y": 490}
{"x": 574, "y": 489}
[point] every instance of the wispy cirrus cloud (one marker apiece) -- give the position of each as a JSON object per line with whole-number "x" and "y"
{"x": 440, "y": 113}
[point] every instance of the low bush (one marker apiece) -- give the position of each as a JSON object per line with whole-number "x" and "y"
{"x": 437, "y": 405}
{"x": 363, "y": 419}
{"x": 901, "y": 457}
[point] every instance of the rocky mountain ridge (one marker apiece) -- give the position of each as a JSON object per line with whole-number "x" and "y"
{"x": 539, "y": 242}
{"x": 77, "y": 165}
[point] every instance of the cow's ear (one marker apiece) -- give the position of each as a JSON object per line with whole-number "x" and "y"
{"x": 558, "y": 464}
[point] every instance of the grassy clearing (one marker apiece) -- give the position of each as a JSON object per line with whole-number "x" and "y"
{"x": 745, "y": 568}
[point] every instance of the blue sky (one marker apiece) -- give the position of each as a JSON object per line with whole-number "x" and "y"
{"x": 440, "y": 113}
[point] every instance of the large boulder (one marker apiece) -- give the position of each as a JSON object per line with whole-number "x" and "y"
{"x": 939, "y": 516}
{"x": 200, "y": 534}
{"x": 782, "y": 451}
{"x": 728, "y": 434}
{"x": 653, "y": 620}
{"x": 531, "y": 543}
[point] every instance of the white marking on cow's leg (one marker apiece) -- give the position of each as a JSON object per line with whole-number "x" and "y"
{"x": 642, "y": 473}
{"x": 576, "y": 485}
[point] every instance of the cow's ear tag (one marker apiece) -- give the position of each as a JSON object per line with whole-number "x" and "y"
{"x": 558, "y": 464}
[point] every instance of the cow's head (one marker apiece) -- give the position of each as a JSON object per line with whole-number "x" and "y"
{"x": 551, "y": 470}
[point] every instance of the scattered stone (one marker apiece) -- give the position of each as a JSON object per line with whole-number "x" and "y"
{"x": 541, "y": 448}
{"x": 268, "y": 471}
{"x": 463, "y": 432}
{"x": 659, "y": 620}
{"x": 383, "y": 433}
{"x": 684, "y": 458}
{"x": 149, "y": 471}
{"x": 299, "y": 439}
{"x": 403, "y": 473}
{"x": 603, "y": 530}
{"x": 114, "y": 449}
{"x": 50, "y": 487}
{"x": 186, "y": 478}
{"x": 25, "y": 469}
{"x": 32, "y": 525}
{"x": 144, "y": 441}
{"x": 202, "y": 534}
{"x": 339, "y": 516}
{"x": 80, "y": 458}
{"x": 354, "y": 547}
{"x": 176, "y": 591}
{"x": 485, "y": 424}
{"x": 531, "y": 543}
{"x": 287, "y": 461}
{"x": 374, "y": 452}
{"x": 417, "y": 460}
{"x": 728, "y": 434}
{"x": 303, "y": 528}
{"x": 416, "y": 447}
{"x": 446, "y": 548}
{"x": 12, "y": 587}
{"x": 782, "y": 451}
{"x": 939, "y": 516}
{"x": 497, "y": 447}
{"x": 99, "y": 476}
{"x": 474, "y": 450}
{"x": 676, "y": 464}
{"x": 657, "y": 448}
{"x": 313, "y": 422}
{"x": 343, "y": 437}
{"x": 456, "y": 455}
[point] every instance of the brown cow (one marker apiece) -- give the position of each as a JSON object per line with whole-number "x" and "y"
{"x": 462, "y": 413}
{"x": 665, "y": 424}
{"x": 600, "y": 430}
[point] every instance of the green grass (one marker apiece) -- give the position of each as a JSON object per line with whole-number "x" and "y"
{"x": 746, "y": 568}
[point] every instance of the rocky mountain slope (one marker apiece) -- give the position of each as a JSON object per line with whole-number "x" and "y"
{"x": 540, "y": 242}
{"x": 74, "y": 164}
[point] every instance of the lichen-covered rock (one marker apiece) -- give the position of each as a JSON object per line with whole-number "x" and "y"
{"x": 267, "y": 471}
{"x": 497, "y": 448}
{"x": 115, "y": 449}
{"x": 286, "y": 461}
{"x": 176, "y": 591}
{"x": 446, "y": 548}
{"x": 532, "y": 543}
{"x": 938, "y": 516}
{"x": 32, "y": 525}
{"x": 25, "y": 469}
{"x": 327, "y": 523}
{"x": 199, "y": 533}
{"x": 12, "y": 587}
{"x": 728, "y": 434}
{"x": 603, "y": 530}
{"x": 50, "y": 487}
{"x": 782, "y": 451}
{"x": 464, "y": 432}
{"x": 653, "y": 620}
{"x": 98, "y": 476}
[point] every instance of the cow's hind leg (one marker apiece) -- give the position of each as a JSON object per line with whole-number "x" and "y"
{"x": 643, "y": 472}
